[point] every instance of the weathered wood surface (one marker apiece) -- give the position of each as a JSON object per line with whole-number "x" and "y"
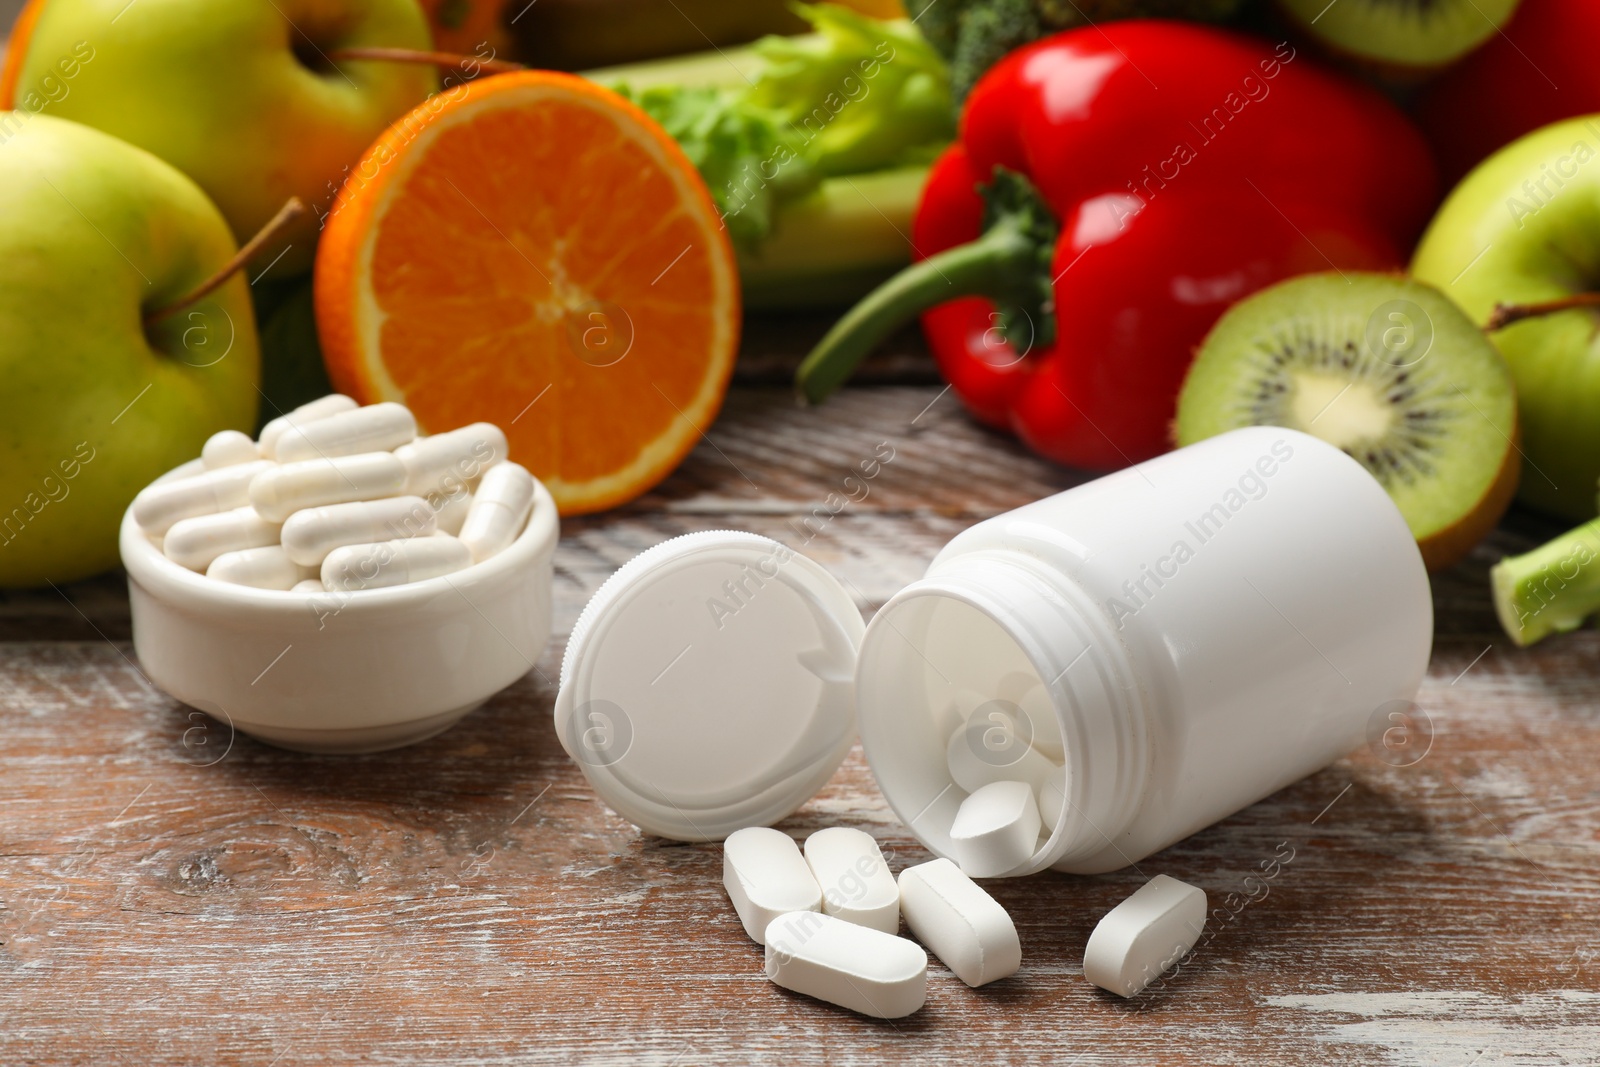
{"x": 174, "y": 895}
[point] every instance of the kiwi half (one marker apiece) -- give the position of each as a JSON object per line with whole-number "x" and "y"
{"x": 1387, "y": 369}
{"x": 1402, "y": 34}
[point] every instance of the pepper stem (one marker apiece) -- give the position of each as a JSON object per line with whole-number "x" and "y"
{"x": 1009, "y": 264}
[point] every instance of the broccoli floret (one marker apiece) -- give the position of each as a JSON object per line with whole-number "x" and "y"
{"x": 988, "y": 31}
{"x": 974, "y": 34}
{"x": 939, "y": 22}
{"x": 1062, "y": 14}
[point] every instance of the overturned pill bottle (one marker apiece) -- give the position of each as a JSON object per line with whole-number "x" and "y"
{"x": 1150, "y": 651}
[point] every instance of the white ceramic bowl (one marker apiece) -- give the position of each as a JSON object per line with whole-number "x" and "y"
{"x": 342, "y": 672}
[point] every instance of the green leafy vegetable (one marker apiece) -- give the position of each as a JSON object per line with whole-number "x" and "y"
{"x": 865, "y": 95}
{"x": 860, "y": 95}
{"x": 750, "y": 159}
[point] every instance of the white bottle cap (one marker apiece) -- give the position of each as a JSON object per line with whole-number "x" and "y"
{"x": 708, "y": 685}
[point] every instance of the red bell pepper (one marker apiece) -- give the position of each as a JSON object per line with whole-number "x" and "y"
{"x": 1113, "y": 190}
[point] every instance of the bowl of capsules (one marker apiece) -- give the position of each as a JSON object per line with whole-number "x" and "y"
{"x": 342, "y": 584}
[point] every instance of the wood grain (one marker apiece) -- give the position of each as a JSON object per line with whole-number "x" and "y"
{"x": 176, "y": 895}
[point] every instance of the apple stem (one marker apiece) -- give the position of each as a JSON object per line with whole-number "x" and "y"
{"x": 1504, "y": 315}
{"x": 292, "y": 209}
{"x": 437, "y": 59}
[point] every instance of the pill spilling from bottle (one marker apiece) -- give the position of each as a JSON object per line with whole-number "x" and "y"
{"x": 1145, "y": 935}
{"x": 961, "y": 924}
{"x": 829, "y": 919}
{"x": 1050, "y": 695}
{"x": 1009, "y": 763}
{"x": 336, "y": 497}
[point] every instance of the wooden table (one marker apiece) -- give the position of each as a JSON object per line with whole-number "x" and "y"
{"x": 175, "y": 895}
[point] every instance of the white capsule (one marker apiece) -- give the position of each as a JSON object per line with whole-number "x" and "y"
{"x": 996, "y": 829}
{"x": 960, "y": 923}
{"x": 499, "y": 509}
{"x": 283, "y": 490}
{"x": 375, "y": 428}
{"x": 447, "y": 461}
{"x": 304, "y": 415}
{"x": 225, "y": 448}
{"x": 310, "y": 585}
{"x": 855, "y": 967}
{"x": 387, "y": 563}
{"x": 1052, "y": 798}
{"x": 856, "y": 884}
{"x": 267, "y": 567}
{"x": 157, "y": 507}
{"x": 979, "y": 753}
{"x": 766, "y": 877}
{"x": 1144, "y": 935}
{"x": 451, "y": 511}
{"x": 195, "y": 542}
{"x": 311, "y": 533}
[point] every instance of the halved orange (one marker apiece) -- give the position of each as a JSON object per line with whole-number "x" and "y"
{"x": 534, "y": 251}
{"x": 17, "y": 51}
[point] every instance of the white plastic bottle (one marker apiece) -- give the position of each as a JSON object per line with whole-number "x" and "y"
{"x": 1188, "y": 636}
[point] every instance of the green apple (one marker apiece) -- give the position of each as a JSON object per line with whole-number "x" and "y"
{"x": 94, "y": 235}
{"x": 1524, "y": 228}
{"x": 237, "y": 94}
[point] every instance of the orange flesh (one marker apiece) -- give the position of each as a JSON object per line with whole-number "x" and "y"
{"x": 540, "y": 256}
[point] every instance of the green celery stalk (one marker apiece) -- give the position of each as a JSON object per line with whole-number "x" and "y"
{"x": 730, "y": 68}
{"x": 834, "y": 223}
{"x": 1552, "y": 589}
{"x": 836, "y": 243}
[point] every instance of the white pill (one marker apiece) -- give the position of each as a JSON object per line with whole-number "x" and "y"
{"x": 1144, "y": 935}
{"x": 960, "y": 923}
{"x": 853, "y": 966}
{"x": 499, "y": 508}
{"x": 996, "y": 829}
{"x": 225, "y": 448}
{"x": 157, "y": 507}
{"x": 375, "y": 428}
{"x": 451, "y": 511}
{"x": 855, "y": 882}
{"x": 1041, "y": 715}
{"x": 310, "y": 585}
{"x": 311, "y": 533}
{"x": 449, "y": 460}
{"x": 979, "y": 754}
{"x": 1052, "y": 798}
{"x": 195, "y": 542}
{"x": 399, "y": 562}
{"x": 267, "y": 567}
{"x": 766, "y": 877}
{"x": 283, "y": 490}
{"x": 304, "y": 415}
